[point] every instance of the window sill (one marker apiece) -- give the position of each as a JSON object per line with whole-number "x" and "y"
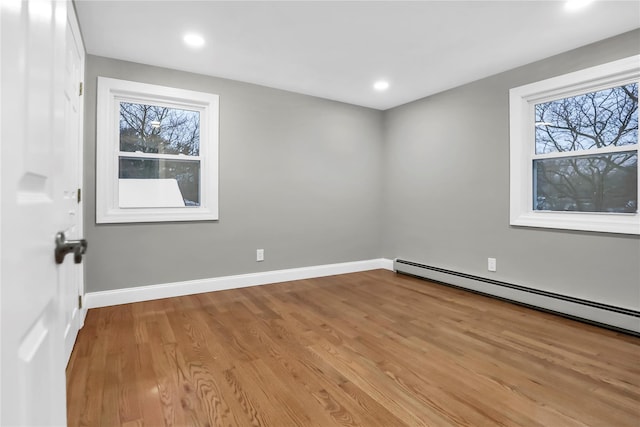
{"x": 605, "y": 223}
{"x": 155, "y": 215}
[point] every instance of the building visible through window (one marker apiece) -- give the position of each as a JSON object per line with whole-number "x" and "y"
{"x": 158, "y": 142}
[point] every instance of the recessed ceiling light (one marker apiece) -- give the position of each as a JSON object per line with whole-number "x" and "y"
{"x": 572, "y": 5}
{"x": 193, "y": 40}
{"x": 381, "y": 85}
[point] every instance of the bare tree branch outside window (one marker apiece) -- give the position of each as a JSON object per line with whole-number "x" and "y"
{"x": 156, "y": 129}
{"x": 171, "y": 132}
{"x": 580, "y": 181}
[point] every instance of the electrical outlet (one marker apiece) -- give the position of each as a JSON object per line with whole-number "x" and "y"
{"x": 259, "y": 255}
{"x": 491, "y": 264}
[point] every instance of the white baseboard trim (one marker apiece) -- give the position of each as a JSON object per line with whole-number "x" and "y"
{"x": 189, "y": 287}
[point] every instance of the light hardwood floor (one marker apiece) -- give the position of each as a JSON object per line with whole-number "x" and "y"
{"x": 363, "y": 349}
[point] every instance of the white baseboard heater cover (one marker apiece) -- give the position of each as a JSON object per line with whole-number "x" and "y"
{"x": 612, "y": 317}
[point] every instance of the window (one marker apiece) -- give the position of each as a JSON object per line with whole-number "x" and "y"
{"x": 157, "y": 153}
{"x": 574, "y": 150}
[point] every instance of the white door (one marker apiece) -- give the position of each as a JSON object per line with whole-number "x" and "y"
{"x": 32, "y": 189}
{"x": 71, "y": 274}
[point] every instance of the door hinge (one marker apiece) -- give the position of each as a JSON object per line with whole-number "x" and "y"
{"x": 80, "y": 91}
{"x": 79, "y": 195}
{"x": 79, "y": 301}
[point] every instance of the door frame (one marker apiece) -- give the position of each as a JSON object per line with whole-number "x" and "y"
{"x": 76, "y": 34}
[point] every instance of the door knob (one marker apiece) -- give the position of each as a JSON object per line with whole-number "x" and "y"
{"x": 64, "y": 247}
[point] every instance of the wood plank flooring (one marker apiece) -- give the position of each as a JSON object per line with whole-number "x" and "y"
{"x": 363, "y": 349}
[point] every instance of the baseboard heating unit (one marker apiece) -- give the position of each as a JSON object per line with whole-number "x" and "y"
{"x": 608, "y": 316}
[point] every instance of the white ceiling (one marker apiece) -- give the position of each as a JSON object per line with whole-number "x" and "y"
{"x": 337, "y": 49}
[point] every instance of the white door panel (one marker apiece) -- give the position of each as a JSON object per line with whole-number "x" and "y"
{"x": 36, "y": 204}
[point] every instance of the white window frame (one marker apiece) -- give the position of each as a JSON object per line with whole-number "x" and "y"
{"x": 113, "y": 91}
{"x": 522, "y": 101}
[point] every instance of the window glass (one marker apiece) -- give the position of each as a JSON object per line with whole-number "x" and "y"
{"x": 605, "y": 118}
{"x": 159, "y": 129}
{"x": 186, "y": 173}
{"x": 167, "y": 133}
{"x": 597, "y": 183}
{"x": 606, "y": 181}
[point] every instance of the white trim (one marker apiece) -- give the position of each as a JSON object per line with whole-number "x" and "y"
{"x": 167, "y": 290}
{"x": 386, "y": 264}
{"x": 521, "y": 103}
{"x": 590, "y": 152}
{"x": 110, "y": 93}
{"x": 79, "y": 315}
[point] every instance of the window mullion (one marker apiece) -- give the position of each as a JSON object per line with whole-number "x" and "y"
{"x": 604, "y": 150}
{"x": 141, "y": 155}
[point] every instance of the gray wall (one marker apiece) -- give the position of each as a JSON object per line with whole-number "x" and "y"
{"x": 299, "y": 177}
{"x": 446, "y": 191}
{"x": 315, "y": 182}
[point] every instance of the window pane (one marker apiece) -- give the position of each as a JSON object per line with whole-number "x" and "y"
{"x": 186, "y": 173}
{"x": 599, "y": 119}
{"x": 155, "y": 129}
{"x": 599, "y": 183}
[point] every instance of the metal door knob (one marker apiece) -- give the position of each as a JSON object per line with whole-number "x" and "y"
{"x": 64, "y": 247}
